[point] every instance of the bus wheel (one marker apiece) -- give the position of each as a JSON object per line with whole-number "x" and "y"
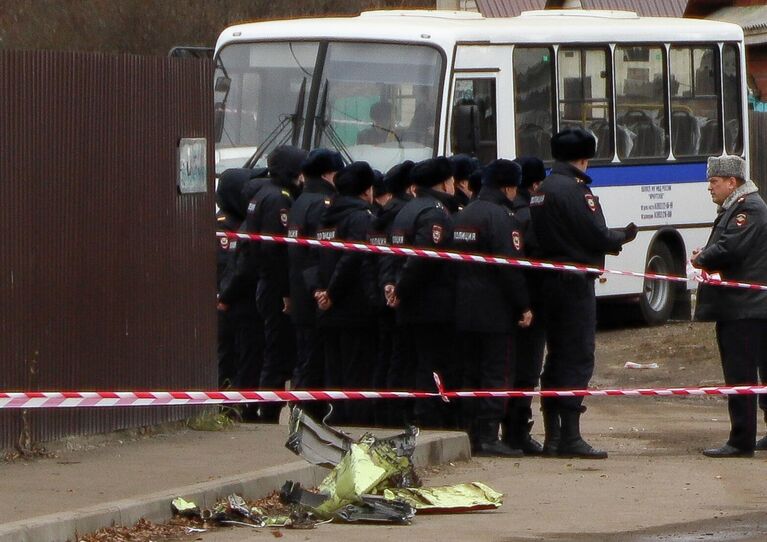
{"x": 657, "y": 299}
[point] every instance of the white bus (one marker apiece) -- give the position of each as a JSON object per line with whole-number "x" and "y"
{"x": 661, "y": 95}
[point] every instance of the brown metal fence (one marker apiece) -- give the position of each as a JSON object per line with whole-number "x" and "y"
{"x": 106, "y": 271}
{"x": 758, "y": 144}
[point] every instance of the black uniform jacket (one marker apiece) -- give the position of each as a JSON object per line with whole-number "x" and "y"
{"x": 348, "y": 277}
{"x": 381, "y": 229}
{"x": 303, "y": 221}
{"x": 268, "y": 214}
{"x": 737, "y": 249}
{"x": 226, "y": 247}
{"x": 568, "y": 220}
{"x": 425, "y": 287}
{"x": 489, "y": 298}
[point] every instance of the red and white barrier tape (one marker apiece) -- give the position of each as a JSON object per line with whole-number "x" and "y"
{"x": 54, "y": 399}
{"x": 476, "y": 258}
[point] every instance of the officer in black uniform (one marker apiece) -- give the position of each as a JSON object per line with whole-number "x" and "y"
{"x": 463, "y": 166}
{"x": 490, "y": 302}
{"x": 392, "y": 370}
{"x": 268, "y": 214}
{"x": 424, "y": 289}
{"x": 529, "y": 343}
{"x": 570, "y": 227}
{"x": 319, "y": 172}
{"x": 230, "y": 216}
{"x": 737, "y": 250}
{"x": 381, "y": 193}
{"x": 346, "y": 290}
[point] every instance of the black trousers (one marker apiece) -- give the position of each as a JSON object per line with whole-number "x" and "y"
{"x": 428, "y": 348}
{"x": 226, "y": 349}
{"x": 526, "y": 360}
{"x": 309, "y": 372}
{"x": 349, "y": 362}
{"x": 279, "y": 346}
{"x": 570, "y": 325}
{"x": 743, "y": 349}
{"x": 401, "y": 376}
{"x": 384, "y": 345}
{"x": 485, "y": 366}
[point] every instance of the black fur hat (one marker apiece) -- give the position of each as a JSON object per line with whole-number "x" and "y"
{"x": 573, "y": 144}
{"x": 533, "y": 170}
{"x": 501, "y": 172}
{"x": 463, "y": 166}
{"x": 284, "y": 163}
{"x": 431, "y": 172}
{"x": 379, "y": 186}
{"x": 354, "y": 179}
{"x": 397, "y": 179}
{"x": 321, "y": 161}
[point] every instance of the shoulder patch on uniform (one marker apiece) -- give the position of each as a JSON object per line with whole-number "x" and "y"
{"x": 326, "y": 235}
{"x": 591, "y": 202}
{"x": 251, "y": 206}
{"x": 436, "y": 233}
{"x": 465, "y": 236}
{"x": 398, "y": 238}
{"x": 293, "y": 233}
{"x": 537, "y": 200}
{"x": 378, "y": 239}
{"x": 221, "y": 218}
{"x": 516, "y": 239}
{"x": 224, "y": 242}
{"x": 741, "y": 219}
{"x": 285, "y": 193}
{"x": 284, "y": 217}
{"x": 327, "y": 202}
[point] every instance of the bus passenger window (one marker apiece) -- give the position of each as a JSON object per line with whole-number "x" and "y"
{"x": 640, "y": 103}
{"x": 695, "y": 125}
{"x": 479, "y": 92}
{"x": 584, "y": 95}
{"x": 733, "y": 123}
{"x": 533, "y": 101}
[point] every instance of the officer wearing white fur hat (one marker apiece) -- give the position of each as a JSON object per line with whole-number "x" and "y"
{"x": 737, "y": 250}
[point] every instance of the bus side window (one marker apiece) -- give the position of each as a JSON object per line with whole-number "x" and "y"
{"x": 696, "y": 128}
{"x": 584, "y": 95}
{"x": 533, "y": 101}
{"x": 479, "y": 92}
{"x": 733, "y": 119}
{"x": 640, "y": 102}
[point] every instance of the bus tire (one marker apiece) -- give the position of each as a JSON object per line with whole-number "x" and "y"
{"x": 657, "y": 298}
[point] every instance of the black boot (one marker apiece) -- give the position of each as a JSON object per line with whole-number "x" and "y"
{"x": 518, "y": 437}
{"x": 489, "y": 445}
{"x": 552, "y": 427}
{"x": 572, "y": 444}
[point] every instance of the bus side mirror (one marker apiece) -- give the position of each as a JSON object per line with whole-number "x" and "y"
{"x": 218, "y": 120}
{"x": 465, "y": 129}
{"x": 222, "y": 84}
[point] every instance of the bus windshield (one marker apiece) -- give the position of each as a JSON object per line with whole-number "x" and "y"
{"x": 372, "y": 102}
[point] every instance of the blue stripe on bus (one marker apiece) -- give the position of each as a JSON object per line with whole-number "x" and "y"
{"x": 687, "y": 172}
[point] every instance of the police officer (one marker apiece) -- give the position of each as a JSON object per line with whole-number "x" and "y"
{"x": 346, "y": 290}
{"x": 392, "y": 371}
{"x": 529, "y": 343}
{"x": 319, "y": 171}
{"x": 737, "y": 250}
{"x": 381, "y": 193}
{"x": 570, "y": 227}
{"x": 268, "y": 214}
{"x": 229, "y": 218}
{"x": 490, "y": 301}
{"x": 424, "y": 289}
{"x": 463, "y": 166}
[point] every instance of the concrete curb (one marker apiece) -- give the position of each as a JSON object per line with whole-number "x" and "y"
{"x": 432, "y": 449}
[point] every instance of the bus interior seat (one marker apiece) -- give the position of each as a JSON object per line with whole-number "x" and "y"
{"x": 711, "y": 138}
{"x": 533, "y": 140}
{"x": 649, "y": 137}
{"x": 601, "y": 129}
{"x": 684, "y": 133}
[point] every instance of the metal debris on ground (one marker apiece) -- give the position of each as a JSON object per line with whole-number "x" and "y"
{"x": 371, "y": 480}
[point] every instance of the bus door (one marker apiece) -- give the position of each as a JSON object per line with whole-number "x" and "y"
{"x": 480, "y": 114}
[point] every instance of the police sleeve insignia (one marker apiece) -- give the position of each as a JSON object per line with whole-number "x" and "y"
{"x": 741, "y": 219}
{"x": 436, "y": 234}
{"x": 591, "y": 202}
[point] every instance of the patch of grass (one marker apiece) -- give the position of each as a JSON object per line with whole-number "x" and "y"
{"x": 214, "y": 419}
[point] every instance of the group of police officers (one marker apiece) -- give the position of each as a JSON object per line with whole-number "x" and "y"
{"x": 337, "y": 319}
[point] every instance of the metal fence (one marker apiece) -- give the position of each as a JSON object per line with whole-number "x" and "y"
{"x": 758, "y": 143}
{"x": 106, "y": 271}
